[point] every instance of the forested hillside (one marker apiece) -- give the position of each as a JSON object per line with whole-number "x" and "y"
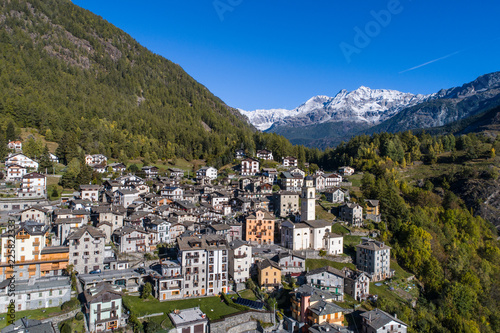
{"x": 453, "y": 251}
{"x": 77, "y": 78}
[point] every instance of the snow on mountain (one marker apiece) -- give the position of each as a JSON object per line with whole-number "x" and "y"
{"x": 264, "y": 119}
{"x": 365, "y": 105}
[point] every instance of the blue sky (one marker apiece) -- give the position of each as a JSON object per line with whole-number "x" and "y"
{"x": 277, "y": 54}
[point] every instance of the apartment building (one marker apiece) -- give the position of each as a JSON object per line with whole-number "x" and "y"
{"x": 240, "y": 260}
{"x": 374, "y": 258}
{"x": 206, "y": 172}
{"x": 30, "y": 239}
{"x": 265, "y": 154}
{"x": 33, "y": 185}
{"x": 204, "y": 262}
{"x": 89, "y": 192}
{"x": 286, "y": 203}
{"x": 169, "y": 284}
{"x": 259, "y": 228}
{"x": 249, "y": 167}
{"x": 104, "y": 308}
{"x": 15, "y": 172}
{"x": 86, "y": 247}
{"x": 36, "y": 293}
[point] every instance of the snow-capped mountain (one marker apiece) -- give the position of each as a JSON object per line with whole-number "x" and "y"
{"x": 365, "y": 105}
{"x": 263, "y": 119}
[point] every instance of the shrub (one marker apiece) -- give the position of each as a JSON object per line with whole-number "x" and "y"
{"x": 66, "y": 328}
{"x": 70, "y": 305}
{"x": 79, "y": 316}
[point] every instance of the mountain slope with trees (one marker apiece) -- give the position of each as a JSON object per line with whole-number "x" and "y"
{"x": 84, "y": 83}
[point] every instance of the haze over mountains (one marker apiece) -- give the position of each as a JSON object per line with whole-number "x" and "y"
{"x": 325, "y": 121}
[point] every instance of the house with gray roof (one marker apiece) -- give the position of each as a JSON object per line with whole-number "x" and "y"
{"x": 86, "y": 249}
{"x": 25, "y": 325}
{"x": 378, "y": 321}
{"x": 104, "y": 308}
{"x": 374, "y": 258}
{"x": 36, "y": 293}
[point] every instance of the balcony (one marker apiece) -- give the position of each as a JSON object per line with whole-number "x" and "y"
{"x": 192, "y": 256}
{"x": 36, "y": 244}
{"x": 240, "y": 255}
{"x": 86, "y": 256}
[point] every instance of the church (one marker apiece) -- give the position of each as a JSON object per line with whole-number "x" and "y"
{"x": 310, "y": 233}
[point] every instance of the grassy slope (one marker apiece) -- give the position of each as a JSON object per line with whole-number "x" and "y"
{"x": 211, "y": 306}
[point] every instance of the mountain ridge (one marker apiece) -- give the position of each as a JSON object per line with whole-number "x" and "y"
{"x": 378, "y": 110}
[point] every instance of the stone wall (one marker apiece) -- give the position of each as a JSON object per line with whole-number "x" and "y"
{"x": 240, "y": 322}
{"x": 57, "y": 319}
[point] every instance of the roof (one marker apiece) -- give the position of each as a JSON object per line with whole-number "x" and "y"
{"x": 327, "y": 269}
{"x": 378, "y": 318}
{"x": 315, "y": 293}
{"x": 55, "y": 249}
{"x": 33, "y": 175}
{"x": 371, "y": 244}
{"x": 219, "y": 227}
{"x": 318, "y": 223}
{"x": 267, "y": 216}
{"x": 103, "y": 292}
{"x": 187, "y": 317}
{"x": 36, "y": 208}
{"x": 205, "y": 242}
{"x": 326, "y": 327}
{"x": 372, "y": 203}
{"x": 323, "y": 308}
{"x": 282, "y": 255}
{"x": 90, "y": 187}
{"x": 267, "y": 263}
{"x": 94, "y": 232}
{"x": 237, "y": 243}
{"x": 31, "y": 227}
{"x": 29, "y": 325}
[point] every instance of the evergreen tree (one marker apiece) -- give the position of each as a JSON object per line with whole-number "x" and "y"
{"x": 10, "y": 132}
{"x": 45, "y": 163}
{"x": 84, "y": 176}
{"x": 3, "y": 145}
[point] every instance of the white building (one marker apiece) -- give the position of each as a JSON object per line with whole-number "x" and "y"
{"x": 290, "y": 161}
{"x": 240, "y": 260}
{"x": 96, "y": 159}
{"x": 15, "y": 173}
{"x": 308, "y": 197}
{"x": 333, "y": 180}
{"x": 333, "y": 243}
{"x": 305, "y": 235}
{"x": 328, "y": 278}
{"x": 104, "y": 308}
{"x": 89, "y": 192}
{"x": 189, "y": 321}
{"x": 36, "y": 293}
{"x": 265, "y": 154}
{"x": 33, "y": 185}
{"x": 205, "y": 265}
{"x": 206, "y": 172}
{"x": 30, "y": 241}
{"x": 374, "y": 258}
{"x": 125, "y": 197}
{"x": 15, "y": 145}
{"x": 378, "y": 321}
{"x": 346, "y": 171}
{"x": 249, "y": 167}
{"x": 22, "y": 160}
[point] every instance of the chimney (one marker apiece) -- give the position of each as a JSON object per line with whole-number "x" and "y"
{"x": 396, "y": 315}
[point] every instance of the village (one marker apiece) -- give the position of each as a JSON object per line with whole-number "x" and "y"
{"x": 284, "y": 250}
